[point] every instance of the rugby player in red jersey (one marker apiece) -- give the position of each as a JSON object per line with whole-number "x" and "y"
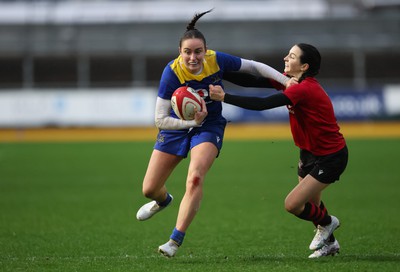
{"x": 323, "y": 150}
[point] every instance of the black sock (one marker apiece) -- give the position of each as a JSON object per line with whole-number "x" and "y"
{"x": 313, "y": 213}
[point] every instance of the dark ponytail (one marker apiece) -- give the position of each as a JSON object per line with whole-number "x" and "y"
{"x": 191, "y": 30}
{"x": 312, "y": 57}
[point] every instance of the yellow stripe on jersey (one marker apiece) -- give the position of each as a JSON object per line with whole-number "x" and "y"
{"x": 210, "y": 67}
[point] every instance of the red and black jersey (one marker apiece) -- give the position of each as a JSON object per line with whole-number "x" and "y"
{"x": 312, "y": 118}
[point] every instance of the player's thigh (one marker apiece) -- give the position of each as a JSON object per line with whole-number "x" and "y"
{"x": 316, "y": 199}
{"x": 202, "y": 157}
{"x": 160, "y": 167}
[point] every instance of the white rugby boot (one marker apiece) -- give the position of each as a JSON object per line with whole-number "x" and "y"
{"x": 331, "y": 248}
{"x": 150, "y": 209}
{"x": 168, "y": 249}
{"x": 323, "y": 233}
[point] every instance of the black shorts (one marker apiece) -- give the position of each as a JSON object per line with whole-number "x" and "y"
{"x": 326, "y": 169}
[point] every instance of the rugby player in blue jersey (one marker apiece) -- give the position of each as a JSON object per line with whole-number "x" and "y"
{"x": 196, "y": 67}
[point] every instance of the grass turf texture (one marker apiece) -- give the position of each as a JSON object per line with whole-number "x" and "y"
{"x": 72, "y": 206}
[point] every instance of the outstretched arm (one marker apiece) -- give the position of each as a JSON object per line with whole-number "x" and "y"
{"x": 247, "y": 80}
{"x": 261, "y": 69}
{"x": 250, "y": 103}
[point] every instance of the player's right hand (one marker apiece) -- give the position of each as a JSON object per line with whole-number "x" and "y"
{"x": 216, "y": 93}
{"x": 199, "y": 116}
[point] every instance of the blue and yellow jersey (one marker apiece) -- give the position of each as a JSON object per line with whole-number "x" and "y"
{"x": 215, "y": 64}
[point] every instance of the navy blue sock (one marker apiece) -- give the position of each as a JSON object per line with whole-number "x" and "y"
{"x": 166, "y": 201}
{"x": 177, "y": 236}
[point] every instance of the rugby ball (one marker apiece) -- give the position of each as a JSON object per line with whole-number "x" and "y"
{"x": 186, "y": 102}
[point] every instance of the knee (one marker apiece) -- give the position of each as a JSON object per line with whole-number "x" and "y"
{"x": 149, "y": 192}
{"x": 195, "y": 182}
{"x": 291, "y": 206}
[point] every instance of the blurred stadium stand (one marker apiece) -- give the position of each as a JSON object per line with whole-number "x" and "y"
{"x": 109, "y": 44}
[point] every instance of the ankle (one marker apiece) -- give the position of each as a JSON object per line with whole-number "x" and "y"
{"x": 165, "y": 202}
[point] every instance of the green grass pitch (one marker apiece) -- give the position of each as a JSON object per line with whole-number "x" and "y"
{"x": 72, "y": 207}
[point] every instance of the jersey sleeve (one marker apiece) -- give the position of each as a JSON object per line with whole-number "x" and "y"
{"x": 168, "y": 83}
{"x": 247, "y": 80}
{"x": 257, "y": 103}
{"x": 228, "y": 62}
{"x": 163, "y": 120}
